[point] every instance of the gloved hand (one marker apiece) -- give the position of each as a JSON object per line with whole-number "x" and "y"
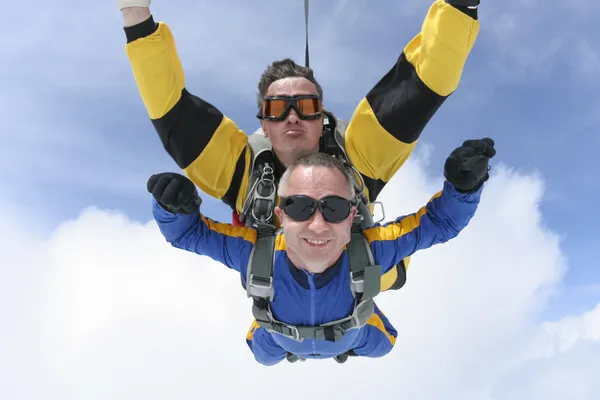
{"x": 174, "y": 192}
{"x": 133, "y": 3}
{"x": 468, "y": 165}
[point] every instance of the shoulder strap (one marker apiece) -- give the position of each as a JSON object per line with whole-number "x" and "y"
{"x": 262, "y": 188}
{"x": 365, "y": 279}
{"x": 365, "y": 275}
{"x": 333, "y": 143}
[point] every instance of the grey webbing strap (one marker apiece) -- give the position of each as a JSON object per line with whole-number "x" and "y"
{"x": 333, "y": 331}
{"x": 260, "y": 267}
{"x": 306, "y": 61}
{"x": 365, "y": 277}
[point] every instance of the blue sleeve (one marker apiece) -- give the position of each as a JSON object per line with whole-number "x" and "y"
{"x": 442, "y": 219}
{"x": 225, "y": 243}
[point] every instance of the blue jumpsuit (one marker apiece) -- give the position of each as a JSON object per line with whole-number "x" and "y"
{"x": 302, "y": 298}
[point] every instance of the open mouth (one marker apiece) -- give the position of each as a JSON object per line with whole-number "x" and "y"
{"x": 316, "y": 243}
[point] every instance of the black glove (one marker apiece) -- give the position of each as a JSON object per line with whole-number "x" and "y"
{"x": 174, "y": 192}
{"x": 467, "y": 167}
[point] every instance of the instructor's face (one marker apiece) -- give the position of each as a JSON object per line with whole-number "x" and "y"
{"x": 315, "y": 244}
{"x": 293, "y": 137}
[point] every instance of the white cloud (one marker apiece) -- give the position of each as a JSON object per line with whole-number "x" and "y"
{"x": 105, "y": 308}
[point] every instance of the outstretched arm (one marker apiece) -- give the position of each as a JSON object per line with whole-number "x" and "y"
{"x": 388, "y": 122}
{"x": 442, "y": 219}
{"x": 205, "y": 144}
{"x": 445, "y": 215}
{"x": 196, "y": 233}
{"x": 176, "y": 209}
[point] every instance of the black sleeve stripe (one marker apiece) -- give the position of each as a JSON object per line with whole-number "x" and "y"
{"x": 141, "y": 30}
{"x": 186, "y": 129}
{"x": 471, "y": 12}
{"x": 230, "y": 197}
{"x": 375, "y": 186}
{"x": 402, "y": 103}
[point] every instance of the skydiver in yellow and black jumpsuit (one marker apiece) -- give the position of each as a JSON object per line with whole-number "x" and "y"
{"x": 382, "y": 133}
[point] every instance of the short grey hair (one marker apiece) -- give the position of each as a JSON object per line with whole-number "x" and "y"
{"x": 318, "y": 159}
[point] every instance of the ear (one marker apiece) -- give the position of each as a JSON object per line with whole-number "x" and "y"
{"x": 280, "y": 214}
{"x": 353, "y": 213}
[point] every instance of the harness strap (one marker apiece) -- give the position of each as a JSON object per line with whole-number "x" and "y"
{"x": 333, "y": 331}
{"x": 365, "y": 276}
{"x": 259, "y": 277}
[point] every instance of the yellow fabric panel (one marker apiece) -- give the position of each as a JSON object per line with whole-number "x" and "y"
{"x": 280, "y": 242}
{"x": 246, "y": 233}
{"x": 213, "y": 169}
{"x": 253, "y": 327}
{"x": 377, "y": 322}
{"x": 371, "y": 149}
{"x": 395, "y": 230}
{"x": 440, "y": 50}
{"x": 388, "y": 279}
{"x": 157, "y": 70}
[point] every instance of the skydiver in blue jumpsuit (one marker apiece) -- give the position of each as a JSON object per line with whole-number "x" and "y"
{"x": 311, "y": 275}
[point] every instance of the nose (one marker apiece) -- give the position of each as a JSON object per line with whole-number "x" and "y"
{"x": 293, "y": 117}
{"x": 318, "y": 223}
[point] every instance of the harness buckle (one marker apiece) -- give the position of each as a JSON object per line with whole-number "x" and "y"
{"x": 358, "y": 285}
{"x": 260, "y": 287}
{"x": 294, "y": 333}
{"x": 264, "y": 195}
{"x": 382, "y": 211}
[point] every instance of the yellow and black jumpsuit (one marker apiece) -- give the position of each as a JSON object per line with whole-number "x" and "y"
{"x": 383, "y": 131}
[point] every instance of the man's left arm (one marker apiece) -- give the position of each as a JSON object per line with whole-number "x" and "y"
{"x": 387, "y": 123}
{"x": 445, "y": 215}
{"x": 443, "y": 218}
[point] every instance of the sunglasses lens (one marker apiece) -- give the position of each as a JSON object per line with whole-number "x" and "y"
{"x": 335, "y": 209}
{"x": 299, "y": 208}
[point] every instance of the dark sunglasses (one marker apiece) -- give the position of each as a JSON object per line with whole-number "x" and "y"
{"x": 277, "y": 108}
{"x": 334, "y": 209}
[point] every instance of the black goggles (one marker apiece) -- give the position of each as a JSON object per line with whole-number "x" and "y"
{"x": 334, "y": 209}
{"x": 277, "y": 108}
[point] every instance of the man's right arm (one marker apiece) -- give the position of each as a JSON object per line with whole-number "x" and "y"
{"x": 210, "y": 148}
{"x": 225, "y": 243}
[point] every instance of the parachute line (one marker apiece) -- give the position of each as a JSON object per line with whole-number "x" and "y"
{"x": 306, "y": 58}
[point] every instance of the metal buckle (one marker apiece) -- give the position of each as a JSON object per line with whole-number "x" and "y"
{"x": 266, "y": 176}
{"x": 278, "y": 328}
{"x": 259, "y": 288}
{"x": 382, "y": 211}
{"x": 357, "y": 284}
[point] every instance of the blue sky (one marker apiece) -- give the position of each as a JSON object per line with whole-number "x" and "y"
{"x": 73, "y": 112}
{"x": 75, "y": 133}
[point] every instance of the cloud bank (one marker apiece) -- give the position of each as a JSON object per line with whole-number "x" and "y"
{"x": 105, "y": 308}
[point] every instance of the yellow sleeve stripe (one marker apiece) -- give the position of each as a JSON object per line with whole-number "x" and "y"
{"x": 439, "y": 52}
{"x": 213, "y": 170}
{"x": 248, "y": 234}
{"x": 377, "y": 322}
{"x": 371, "y": 149}
{"x": 395, "y": 230}
{"x": 157, "y": 70}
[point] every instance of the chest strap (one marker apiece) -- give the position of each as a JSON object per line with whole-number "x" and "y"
{"x": 365, "y": 281}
